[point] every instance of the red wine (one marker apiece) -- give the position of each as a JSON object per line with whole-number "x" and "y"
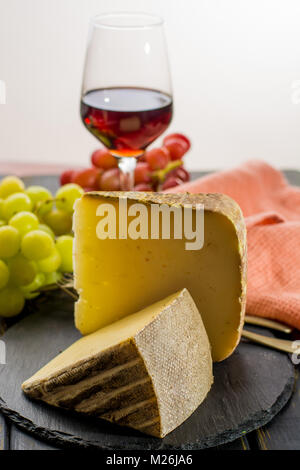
{"x": 126, "y": 120}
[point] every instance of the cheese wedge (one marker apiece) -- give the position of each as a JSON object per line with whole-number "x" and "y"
{"x": 149, "y": 371}
{"x": 116, "y": 277}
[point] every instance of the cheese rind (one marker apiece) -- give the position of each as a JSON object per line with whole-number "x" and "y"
{"x": 148, "y": 371}
{"x": 117, "y": 277}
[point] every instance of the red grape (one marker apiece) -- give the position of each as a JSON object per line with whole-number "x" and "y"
{"x": 176, "y": 149}
{"x": 143, "y": 187}
{"x": 142, "y": 173}
{"x": 103, "y": 159}
{"x": 87, "y": 178}
{"x": 171, "y": 182}
{"x": 66, "y": 177}
{"x": 110, "y": 180}
{"x": 181, "y": 173}
{"x": 177, "y": 144}
{"x": 88, "y": 190}
{"x": 158, "y": 158}
{"x": 185, "y": 142}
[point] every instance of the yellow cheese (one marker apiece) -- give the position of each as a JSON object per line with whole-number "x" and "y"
{"x": 148, "y": 371}
{"x": 116, "y": 277}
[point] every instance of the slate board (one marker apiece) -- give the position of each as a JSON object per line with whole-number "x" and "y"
{"x": 249, "y": 389}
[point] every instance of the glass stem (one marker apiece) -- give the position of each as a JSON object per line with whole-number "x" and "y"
{"x": 127, "y": 166}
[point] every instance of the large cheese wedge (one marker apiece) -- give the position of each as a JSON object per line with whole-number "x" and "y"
{"x": 149, "y": 371}
{"x": 116, "y": 277}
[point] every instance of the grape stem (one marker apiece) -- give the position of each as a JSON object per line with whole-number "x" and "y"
{"x": 160, "y": 175}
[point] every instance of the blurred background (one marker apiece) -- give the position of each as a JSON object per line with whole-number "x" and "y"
{"x": 235, "y": 66}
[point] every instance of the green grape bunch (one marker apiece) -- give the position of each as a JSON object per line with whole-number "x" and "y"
{"x": 36, "y": 240}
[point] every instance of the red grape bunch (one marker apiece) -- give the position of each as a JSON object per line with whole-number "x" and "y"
{"x": 157, "y": 170}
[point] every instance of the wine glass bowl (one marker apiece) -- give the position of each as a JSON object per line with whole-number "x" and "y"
{"x": 126, "y": 100}
{"x": 126, "y": 120}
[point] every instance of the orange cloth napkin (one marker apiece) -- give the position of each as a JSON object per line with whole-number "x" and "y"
{"x": 272, "y": 210}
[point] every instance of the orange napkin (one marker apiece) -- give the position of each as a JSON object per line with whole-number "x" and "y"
{"x": 272, "y": 210}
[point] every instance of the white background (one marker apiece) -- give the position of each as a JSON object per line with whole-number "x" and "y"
{"x": 234, "y": 65}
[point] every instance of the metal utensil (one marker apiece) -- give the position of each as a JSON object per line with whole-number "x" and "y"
{"x": 273, "y": 325}
{"x": 275, "y": 343}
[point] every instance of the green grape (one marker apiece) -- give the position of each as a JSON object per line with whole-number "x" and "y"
{"x": 37, "y": 245}
{"x": 24, "y": 222}
{"x": 53, "y": 278}
{"x": 43, "y": 207}
{"x": 11, "y": 301}
{"x": 67, "y": 195}
{"x": 15, "y": 203}
{"x": 2, "y": 223}
{"x": 22, "y": 271}
{"x": 10, "y": 185}
{"x": 60, "y": 221}
{"x": 64, "y": 245}
{"x": 46, "y": 229}
{"x": 50, "y": 264}
{"x": 30, "y": 295}
{"x": 9, "y": 241}
{"x": 1, "y": 209}
{"x": 30, "y": 290}
{"x": 4, "y": 274}
{"x": 38, "y": 194}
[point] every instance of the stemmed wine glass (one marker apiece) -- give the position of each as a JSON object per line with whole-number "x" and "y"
{"x": 126, "y": 100}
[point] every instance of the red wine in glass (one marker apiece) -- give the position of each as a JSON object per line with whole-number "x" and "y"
{"x": 126, "y": 120}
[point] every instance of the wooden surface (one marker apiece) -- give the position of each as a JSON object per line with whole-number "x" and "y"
{"x": 283, "y": 432}
{"x": 249, "y": 388}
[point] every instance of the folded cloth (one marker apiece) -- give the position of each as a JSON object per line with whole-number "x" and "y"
{"x": 272, "y": 210}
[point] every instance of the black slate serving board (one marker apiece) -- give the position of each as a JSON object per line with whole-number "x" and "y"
{"x": 249, "y": 389}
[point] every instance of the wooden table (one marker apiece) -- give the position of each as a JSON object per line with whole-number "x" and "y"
{"x": 283, "y": 432}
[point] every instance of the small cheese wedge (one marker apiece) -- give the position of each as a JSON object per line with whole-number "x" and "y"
{"x": 149, "y": 371}
{"x": 116, "y": 277}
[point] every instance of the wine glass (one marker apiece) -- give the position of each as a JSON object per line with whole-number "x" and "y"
{"x": 126, "y": 100}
